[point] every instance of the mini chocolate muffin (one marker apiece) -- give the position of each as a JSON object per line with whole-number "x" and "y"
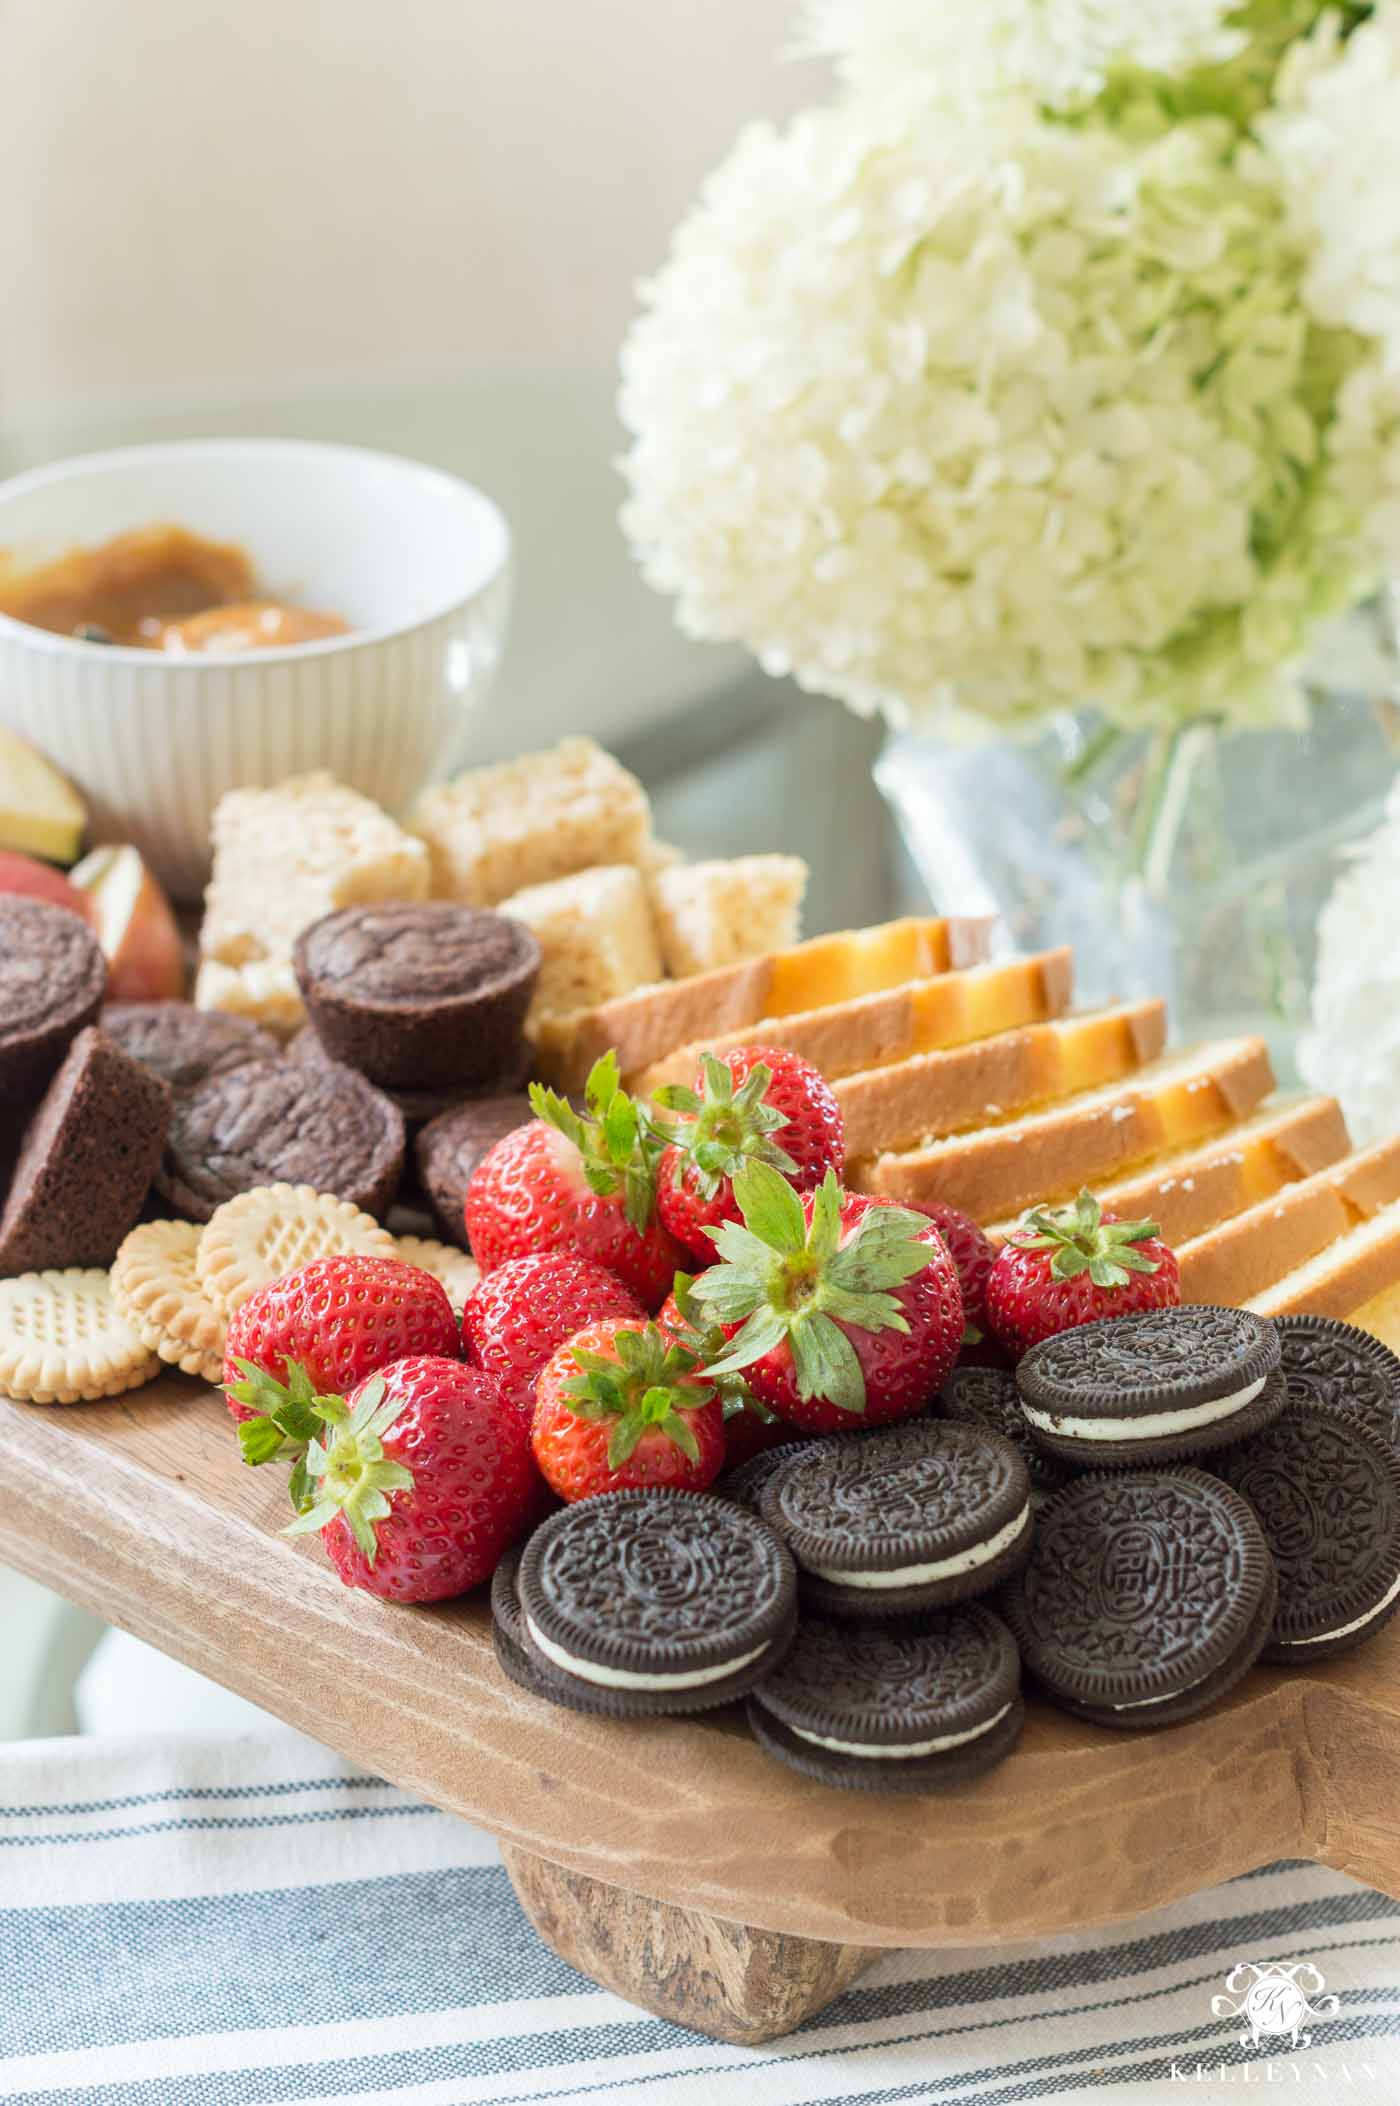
{"x": 52, "y": 980}
{"x": 449, "y": 1148}
{"x": 272, "y": 1122}
{"x": 420, "y": 995}
{"x": 185, "y": 1045}
{"x": 417, "y": 1106}
{"x": 86, "y": 1162}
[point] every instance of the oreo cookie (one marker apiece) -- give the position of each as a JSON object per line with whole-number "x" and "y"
{"x": 1148, "y": 1594}
{"x": 1326, "y": 1489}
{"x": 892, "y": 1707}
{"x": 988, "y": 1396}
{"x": 1327, "y": 1362}
{"x": 512, "y": 1657}
{"x": 655, "y": 1602}
{"x": 749, "y": 1480}
{"x": 900, "y": 1521}
{"x": 1152, "y": 1387}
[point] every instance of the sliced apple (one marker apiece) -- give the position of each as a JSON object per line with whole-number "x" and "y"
{"x": 40, "y": 813}
{"x": 41, "y": 881}
{"x": 134, "y": 923}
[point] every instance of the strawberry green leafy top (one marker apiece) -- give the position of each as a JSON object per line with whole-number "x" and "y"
{"x": 616, "y": 1142}
{"x": 784, "y": 1280}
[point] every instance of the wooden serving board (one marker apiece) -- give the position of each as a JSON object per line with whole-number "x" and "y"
{"x": 671, "y": 1859}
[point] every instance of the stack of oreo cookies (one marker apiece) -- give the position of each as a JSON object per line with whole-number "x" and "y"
{"x": 878, "y": 1596}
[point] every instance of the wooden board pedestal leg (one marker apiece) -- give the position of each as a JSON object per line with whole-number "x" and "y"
{"x": 719, "y": 1978}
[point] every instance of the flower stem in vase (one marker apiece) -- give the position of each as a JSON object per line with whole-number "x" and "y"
{"x": 1163, "y": 799}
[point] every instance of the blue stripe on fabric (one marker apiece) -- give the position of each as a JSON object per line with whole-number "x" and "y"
{"x": 1065, "y": 1971}
{"x": 198, "y": 1791}
{"x": 357, "y": 1944}
{"x": 379, "y": 2077}
{"x": 92, "y": 1975}
{"x": 198, "y": 1822}
{"x": 433, "y": 1940}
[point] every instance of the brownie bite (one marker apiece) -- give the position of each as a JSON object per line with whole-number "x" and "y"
{"x": 449, "y": 1148}
{"x": 185, "y": 1045}
{"x": 86, "y": 1161}
{"x": 417, "y": 1106}
{"x": 275, "y": 1122}
{"x": 52, "y": 980}
{"x": 420, "y": 995}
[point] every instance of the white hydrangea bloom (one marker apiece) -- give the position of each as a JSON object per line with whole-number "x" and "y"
{"x": 991, "y": 418}
{"x": 1335, "y": 137}
{"x": 1363, "y": 444}
{"x": 1353, "y": 1048}
{"x": 1060, "y": 51}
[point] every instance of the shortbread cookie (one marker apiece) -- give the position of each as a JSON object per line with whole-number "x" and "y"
{"x": 459, "y": 1273}
{"x": 63, "y": 1341}
{"x": 155, "y": 1285}
{"x": 276, "y": 1229}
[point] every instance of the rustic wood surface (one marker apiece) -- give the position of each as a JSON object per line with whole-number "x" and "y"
{"x": 140, "y": 1510}
{"x": 717, "y": 1977}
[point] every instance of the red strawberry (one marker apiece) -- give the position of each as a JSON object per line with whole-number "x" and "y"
{"x": 322, "y": 1329}
{"x": 731, "y": 1117}
{"x": 520, "y": 1314}
{"x": 841, "y": 1310}
{"x": 582, "y": 1185}
{"x": 972, "y": 1254}
{"x": 1074, "y": 1265}
{"x": 419, "y": 1480}
{"x": 749, "y": 1426}
{"x": 624, "y": 1405}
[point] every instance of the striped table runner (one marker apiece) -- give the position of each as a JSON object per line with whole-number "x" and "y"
{"x": 238, "y": 1921}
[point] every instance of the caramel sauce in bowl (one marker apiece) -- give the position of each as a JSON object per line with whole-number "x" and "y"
{"x": 158, "y": 588}
{"x": 252, "y": 610}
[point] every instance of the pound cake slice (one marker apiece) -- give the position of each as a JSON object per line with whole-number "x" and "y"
{"x": 1359, "y": 1268}
{"x": 1192, "y": 1189}
{"x": 653, "y": 1021}
{"x": 1268, "y": 1241}
{"x": 885, "y": 1029}
{"x": 1049, "y": 1154}
{"x": 967, "y": 1085}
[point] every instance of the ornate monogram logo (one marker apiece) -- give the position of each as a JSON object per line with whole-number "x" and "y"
{"x": 1274, "y": 1998}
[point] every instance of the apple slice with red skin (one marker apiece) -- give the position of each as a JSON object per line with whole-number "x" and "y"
{"x": 135, "y": 925}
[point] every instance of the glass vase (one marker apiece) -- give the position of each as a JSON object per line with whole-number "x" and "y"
{"x": 1193, "y": 865}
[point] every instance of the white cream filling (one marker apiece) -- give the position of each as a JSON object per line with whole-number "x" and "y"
{"x": 942, "y": 1568}
{"x": 1150, "y": 1425}
{"x": 909, "y": 1749}
{"x": 624, "y": 1678}
{"x": 1141, "y": 1703}
{"x": 1357, "y": 1623}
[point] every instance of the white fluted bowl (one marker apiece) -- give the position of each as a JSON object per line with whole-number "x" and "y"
{"x": 417, "y": 561}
